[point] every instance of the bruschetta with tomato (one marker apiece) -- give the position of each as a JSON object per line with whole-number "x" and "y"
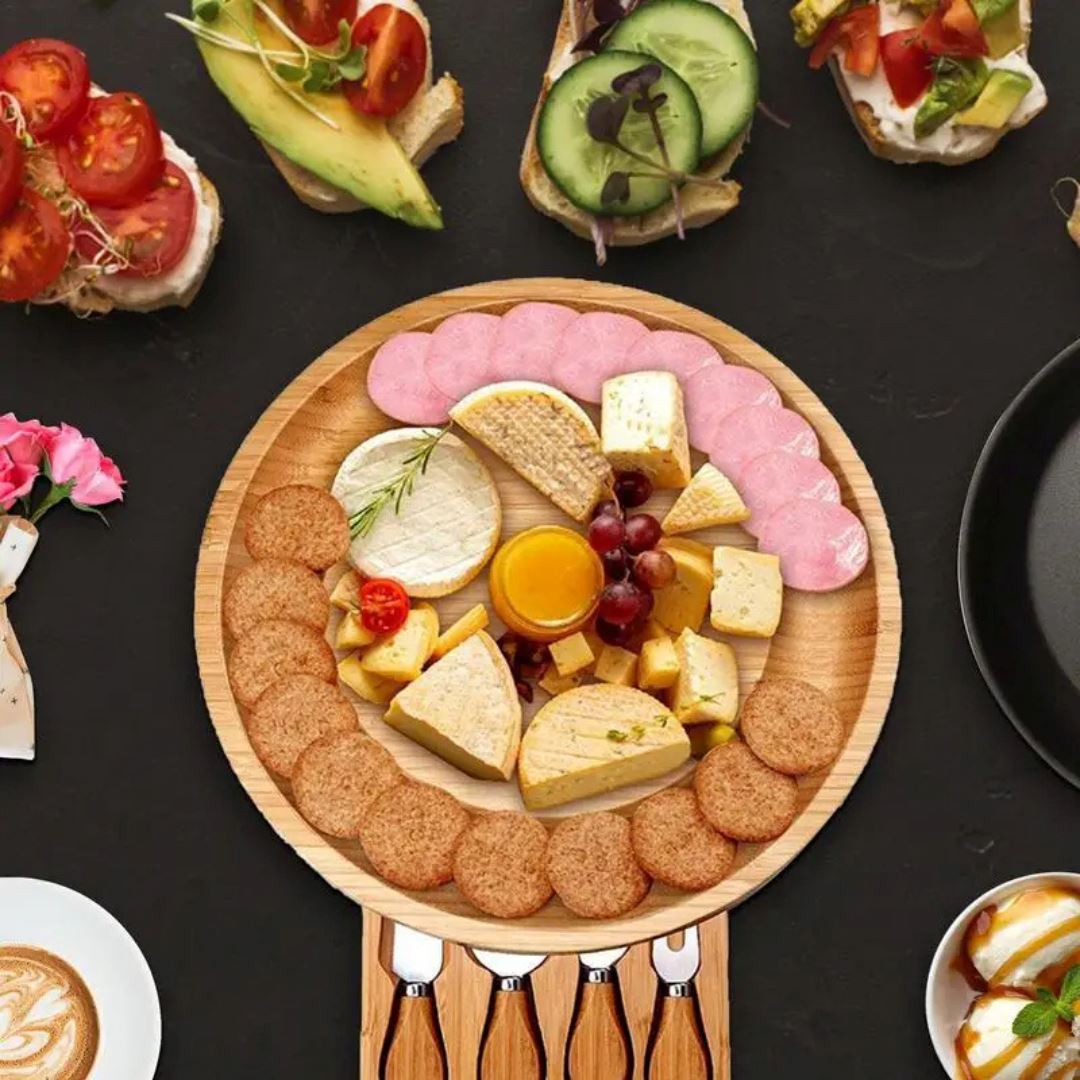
{"x": 99, "y": 208}
{"x": 927, "y": 80}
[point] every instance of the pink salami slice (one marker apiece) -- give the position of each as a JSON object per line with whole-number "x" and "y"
{"x": 592, "y": 349}
{"x": 718, "y": 390}
{"x": 527, "y": 339}
{"x": 822, "y": 546}
{"x": 753, "y": 430}
{"x": 397, "y": 383}
{"x": 769, "y": 481}
{"x": 459, "y": 360}
{"x": 672, "y": 350}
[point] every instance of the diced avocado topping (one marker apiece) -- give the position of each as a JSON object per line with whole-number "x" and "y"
{"x": 999, "y": 99}
{"x": 956, "y": 85}
{"x": 1004, "y": 32}
{"x": 986, "y": 10}
{"x": 811, "y": 17}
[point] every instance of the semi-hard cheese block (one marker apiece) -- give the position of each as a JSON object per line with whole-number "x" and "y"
{"x": 465, "y": 709}
{"x": 352, "y": 633}
{"x": 616, "y": 665}
{"x": 373, "y": 688}
{"x": 594, "y": 739}
{"x": 658, "y": 667}
{"x": 707, "y": 687}
{"x": 543, "y": 435}
{"x": 474, "y": 620}
{"x": 444, "y": 527}
{"x": 572, "y": 654}
{"x": 643, "y": 426}
{"x": 709, "y": 499}
{"x": 684, "y": 602}
{"x": 748, "y": 592}
{"x": 402, "y": 655}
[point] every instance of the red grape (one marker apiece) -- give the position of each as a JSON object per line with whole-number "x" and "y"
{"x": 654, "y": 569}
{"x": 611, "y": 634}
{"x": 622, "y": 602}
{"x": 642, "y": 533}
{"x": 607, "y": 508}
{"x": 616, "y": 564}
{"x": 632, "y": 488}
{"x": 606, "y": 533}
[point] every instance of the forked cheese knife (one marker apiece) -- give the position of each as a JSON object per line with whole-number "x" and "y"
{"x": 599, "y": 1045}
{"x": 414, "y": 1047}
{"x": 512, "y": 1046}
{"x": 678, "y": 1049}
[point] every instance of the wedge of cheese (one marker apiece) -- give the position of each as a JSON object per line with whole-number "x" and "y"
{"x": 465, "y": 709}
{"x": 709, "y": 499}
{"x": 707, "y": 687}
{"x": 346, "y": 594}
{"x": 438, "y": 536}
{"x": 643, "y": 426}
{"x": 594, "y": 739}
{"x": 402, "y": 655}
{"x": 684, "y": 603}
{"x": 748, "y": 592}
{"x": 544, "y": 436}
{"x": 352, "y": 633}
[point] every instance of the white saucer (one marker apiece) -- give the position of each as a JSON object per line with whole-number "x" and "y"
{"x": 67, "y": 924}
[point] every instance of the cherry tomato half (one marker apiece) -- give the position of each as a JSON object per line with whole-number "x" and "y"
{"x": 316, "y": 21}
{"x": 908, "y": 66}
{"x": 34, "y": 246}
{"x": 114, "y": 155}
{"x": 396, "y": 61}
{"x": 154, "y": 233}
{"x": 384, "y": 605}
{"x": 51, "y": 82}
{"x": 11, "y": 168}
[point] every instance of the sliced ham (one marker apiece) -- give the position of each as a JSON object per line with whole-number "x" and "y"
{"x": 593, "y": 349}
{"x": 526, "y": 341}
{"x": 821, "y": 545}
{"x": 770, "y": 480}
{"x": 672, "y": 350}
{"x": 459, "y": 360}
{"x": 398, "y": 384}
{"x": 718, "y": 390}
{"x": 753, "y": 430}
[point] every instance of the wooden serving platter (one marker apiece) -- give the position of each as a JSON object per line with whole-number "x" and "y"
{"x": 847, "y": 643}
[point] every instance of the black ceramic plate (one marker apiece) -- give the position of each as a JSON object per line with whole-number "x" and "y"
{"x": 1019, "y": 563}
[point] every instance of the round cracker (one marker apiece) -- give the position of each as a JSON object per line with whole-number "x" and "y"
{"x": 591, "y": 866}
{"x": 792, "y": 726}
{"x": 675, "y": 844}
{"x": 275, "y": 589}
{"x": 273, "y": 649}
{"x": 742, "y": 797}
{"x": 500, "y": 864}
{"x": 338, "y": 778}
{"x": 298, "y": 522}
{"x": 411, "y": 833}
{"x": 291, "y": 714}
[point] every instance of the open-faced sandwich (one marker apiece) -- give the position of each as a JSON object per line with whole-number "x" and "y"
{"x": 644, "y": 109}
{"x": 340, "y": 93}
{"x": 927, "y": 80}
{"x": 99, "y": 209}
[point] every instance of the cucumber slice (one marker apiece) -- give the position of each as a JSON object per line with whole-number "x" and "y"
{"x": 709, "y": 49}
{"x": 580, "y": 165}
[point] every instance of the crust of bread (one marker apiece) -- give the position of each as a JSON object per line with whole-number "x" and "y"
{"x": 701, "y": 205}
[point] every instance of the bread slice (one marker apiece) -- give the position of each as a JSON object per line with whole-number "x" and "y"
{"x": 701, "y": 205}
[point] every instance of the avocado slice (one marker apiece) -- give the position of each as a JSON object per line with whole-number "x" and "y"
{"x": 811, "y": 16}
{"x": 957, "y": 84}
{"x": 362, "y": 157}
{"x": 999, "y": 99}
{"x": 1004, "y": 32}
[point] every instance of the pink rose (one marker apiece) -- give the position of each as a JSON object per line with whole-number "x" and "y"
{"x": 78, "y": 461}
{"x": 25, "y": 440}
{"x": 16, "y": 479}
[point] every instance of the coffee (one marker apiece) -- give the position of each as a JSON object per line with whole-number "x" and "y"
{"x": 48, "y": 1022}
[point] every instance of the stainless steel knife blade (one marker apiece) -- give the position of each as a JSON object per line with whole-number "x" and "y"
{"x": 508, "y": 965}
{"x": 416, "y": 957}
{"x": 677, "y": 966}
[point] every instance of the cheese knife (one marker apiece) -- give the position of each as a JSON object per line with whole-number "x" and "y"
{"x": 678, "y": 1049}
{"x": 512, "y": 1044}
{"x": 414, "y": 1047}
{"x": 599, "y": 1045}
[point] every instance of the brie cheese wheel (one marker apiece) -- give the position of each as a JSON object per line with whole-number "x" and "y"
{"x": 443, "y": 531}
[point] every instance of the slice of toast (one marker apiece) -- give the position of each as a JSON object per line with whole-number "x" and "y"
{"x": 701, "y": 205}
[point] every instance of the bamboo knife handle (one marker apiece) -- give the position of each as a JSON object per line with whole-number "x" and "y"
{"x": 415, "y": 1050}
{"x": 511, "y": 1047}
{"x": 599, "y": 1046}
{"x": 679, "y": 1051}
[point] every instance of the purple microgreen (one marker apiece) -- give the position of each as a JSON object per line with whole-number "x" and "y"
{"x": 593, "y": 41}
{"x": 643, "y": 106}
{"x": 616, "y": 188}
{"x": 638, "y": 80}
{"x": 605, "y": 118}
{"x": 608, "y": 11}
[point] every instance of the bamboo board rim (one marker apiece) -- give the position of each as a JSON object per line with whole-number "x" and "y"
{"x": 562, "y": 932}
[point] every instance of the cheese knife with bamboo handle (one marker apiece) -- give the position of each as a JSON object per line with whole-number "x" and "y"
{"x": 414, "y": 1047}
{"x": 512, "y": 1044}
{"x": 599, "y": 1044}
{"x": 678, "y": 1049}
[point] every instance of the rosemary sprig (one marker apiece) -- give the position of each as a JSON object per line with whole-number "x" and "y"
{"x": 399, "y": 487}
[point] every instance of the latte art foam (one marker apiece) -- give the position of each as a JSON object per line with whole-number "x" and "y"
{"x": 48, "y": 1022}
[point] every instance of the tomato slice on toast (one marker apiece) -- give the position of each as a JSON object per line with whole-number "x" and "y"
{"x": 12, "y": 159}
{"x": 50, "y": 80}
{"x": 34, "y": 246}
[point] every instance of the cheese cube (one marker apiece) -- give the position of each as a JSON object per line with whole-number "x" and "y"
{"x": 352, "y": 633}
{"x": 595, "y": 643}
{"x": 707, "y": 688}
{"x": 571, "y": 654}
{"x": 556, "y": 684}
{"x": 658, "y": 667}
{"x": 616, "y": 665}
{"x": 748, "y": 592}
{"x": 401, "y": 655}
{"x": 643, "y": 426}
{"x": 474, "y": 620}
{"x": 370, "y": 687}
{"x": 654, "y": 631}
{"x": 705, "y": 737}
{"x": 683, "y": 603}
{"x": 346, "y": 594}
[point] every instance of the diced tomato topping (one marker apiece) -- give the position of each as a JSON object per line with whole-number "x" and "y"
{"x": 396, "y": 61}
{"x": 942, "y": 38}
{"x": 34, "y": 246}
{"x": 857, "y": 33}
{"x": 316, "y": 21}
{"x": 50, "y": 80}
{"x": 12, "y": 159}
{"x": 958, "y": 16}
{"x": 384, "y": 605}
{"x": 908, "y": 66}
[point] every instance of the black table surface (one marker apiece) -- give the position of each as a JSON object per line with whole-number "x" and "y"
{"x": 916, "y": 302}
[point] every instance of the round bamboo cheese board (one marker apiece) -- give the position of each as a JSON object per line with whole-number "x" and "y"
{"x": 846, "y": 642}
